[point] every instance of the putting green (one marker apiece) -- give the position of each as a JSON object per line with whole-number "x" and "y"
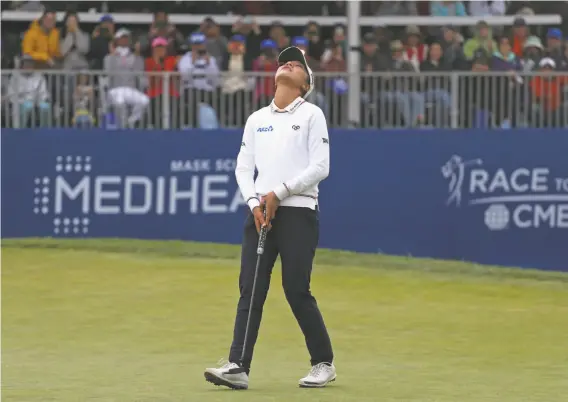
{"x": 115, "y": 320}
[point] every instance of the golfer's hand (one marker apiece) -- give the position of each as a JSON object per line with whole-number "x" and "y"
{"x": 271, "y": 203}
{"x": 258, "y": 218}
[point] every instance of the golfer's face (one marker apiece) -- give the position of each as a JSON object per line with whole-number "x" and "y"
{"x": 293, "y": 70}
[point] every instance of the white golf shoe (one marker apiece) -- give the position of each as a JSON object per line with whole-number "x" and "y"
{"x": 230, "y": 375}
{"x": 319, "y": 376}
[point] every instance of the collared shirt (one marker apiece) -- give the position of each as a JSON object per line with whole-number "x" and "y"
{"x": 290, "y": 149}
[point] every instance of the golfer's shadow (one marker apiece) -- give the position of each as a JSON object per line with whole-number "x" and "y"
{"x": 300, "y": 395}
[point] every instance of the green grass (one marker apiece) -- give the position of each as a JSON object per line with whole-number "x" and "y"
{"x": 125, "y": 321}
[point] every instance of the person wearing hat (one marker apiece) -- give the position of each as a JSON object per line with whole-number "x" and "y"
{"x": 101, "y": 42}
{"x": 126, "y": 80}
{"x": 483, "y": 39}
{"x": 288, "y": 144}
{"x": 41, "y": 40}
{"x": 266, "y": 63}
{"x": 371, "y": 59}
{"x": 237, "y": 87}
{"x": 303, "y": 43}
{"x": 532, "y": 53}
{"x": 28, "y": 93}
{"x": 415, "y": 52}
{"x": 201, "y": 79}
{"x": 521, "y": 33}
{"x": 546, "y": 90}
{"x": 155, "y": 66}
{"x": 554, "y": 41}
{"x": 402, "y": 91}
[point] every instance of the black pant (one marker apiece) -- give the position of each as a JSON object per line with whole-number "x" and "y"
{"x": 294, "y": 235}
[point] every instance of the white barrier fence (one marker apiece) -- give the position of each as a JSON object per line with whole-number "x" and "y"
{"x": 170, "y": 101}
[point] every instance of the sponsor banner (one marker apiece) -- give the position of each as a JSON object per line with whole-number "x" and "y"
{"x": 496, "y": 197}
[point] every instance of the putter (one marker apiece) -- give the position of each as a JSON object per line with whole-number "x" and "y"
{"x": 259, "y": 253}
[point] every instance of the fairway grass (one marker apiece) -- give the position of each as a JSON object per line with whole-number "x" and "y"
{"x": 136, "y": 321}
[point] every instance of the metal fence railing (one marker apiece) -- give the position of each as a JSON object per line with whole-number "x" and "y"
{"x": 169, "y": 101}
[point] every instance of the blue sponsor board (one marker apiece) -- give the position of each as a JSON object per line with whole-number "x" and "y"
{"x": 496, "y": 197}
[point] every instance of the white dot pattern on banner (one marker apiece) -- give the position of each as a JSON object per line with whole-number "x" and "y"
{"x": 62, "y": 225}
{"x": 41, "y": 192}
{"x": 70, "y": 225}
{"x": 72, "y": 163}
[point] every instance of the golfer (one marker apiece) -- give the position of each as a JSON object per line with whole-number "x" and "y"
{"x": 288, "y": 144}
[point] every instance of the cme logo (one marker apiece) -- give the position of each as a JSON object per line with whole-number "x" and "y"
{"x": 264, "y": 129}
{"x": 75, "y": 195}
{"x": 521, "y": 198}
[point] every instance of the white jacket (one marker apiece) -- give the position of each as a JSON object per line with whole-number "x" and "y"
{"x": 22, "y": 88}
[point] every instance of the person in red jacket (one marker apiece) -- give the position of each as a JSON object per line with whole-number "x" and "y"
{"x": 547, "y": 93}
{"x": 267, "y": 62}
{"x": 155, "y": 67}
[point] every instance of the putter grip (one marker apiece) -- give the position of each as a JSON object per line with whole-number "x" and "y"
{"x": 262, "y": 237}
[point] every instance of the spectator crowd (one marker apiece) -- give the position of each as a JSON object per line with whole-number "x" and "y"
{"x": 172, "y": 76}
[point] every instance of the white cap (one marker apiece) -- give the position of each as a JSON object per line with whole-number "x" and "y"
{"x": 293, "y": 53}
{"x": 121, "y": 32}
{"x": 547, "y": 62}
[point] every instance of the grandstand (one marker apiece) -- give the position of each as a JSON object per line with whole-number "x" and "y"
{"x": 378, "y": 64}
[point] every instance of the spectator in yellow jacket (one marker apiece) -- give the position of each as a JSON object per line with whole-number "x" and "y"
{"x": 41, "y": 40}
